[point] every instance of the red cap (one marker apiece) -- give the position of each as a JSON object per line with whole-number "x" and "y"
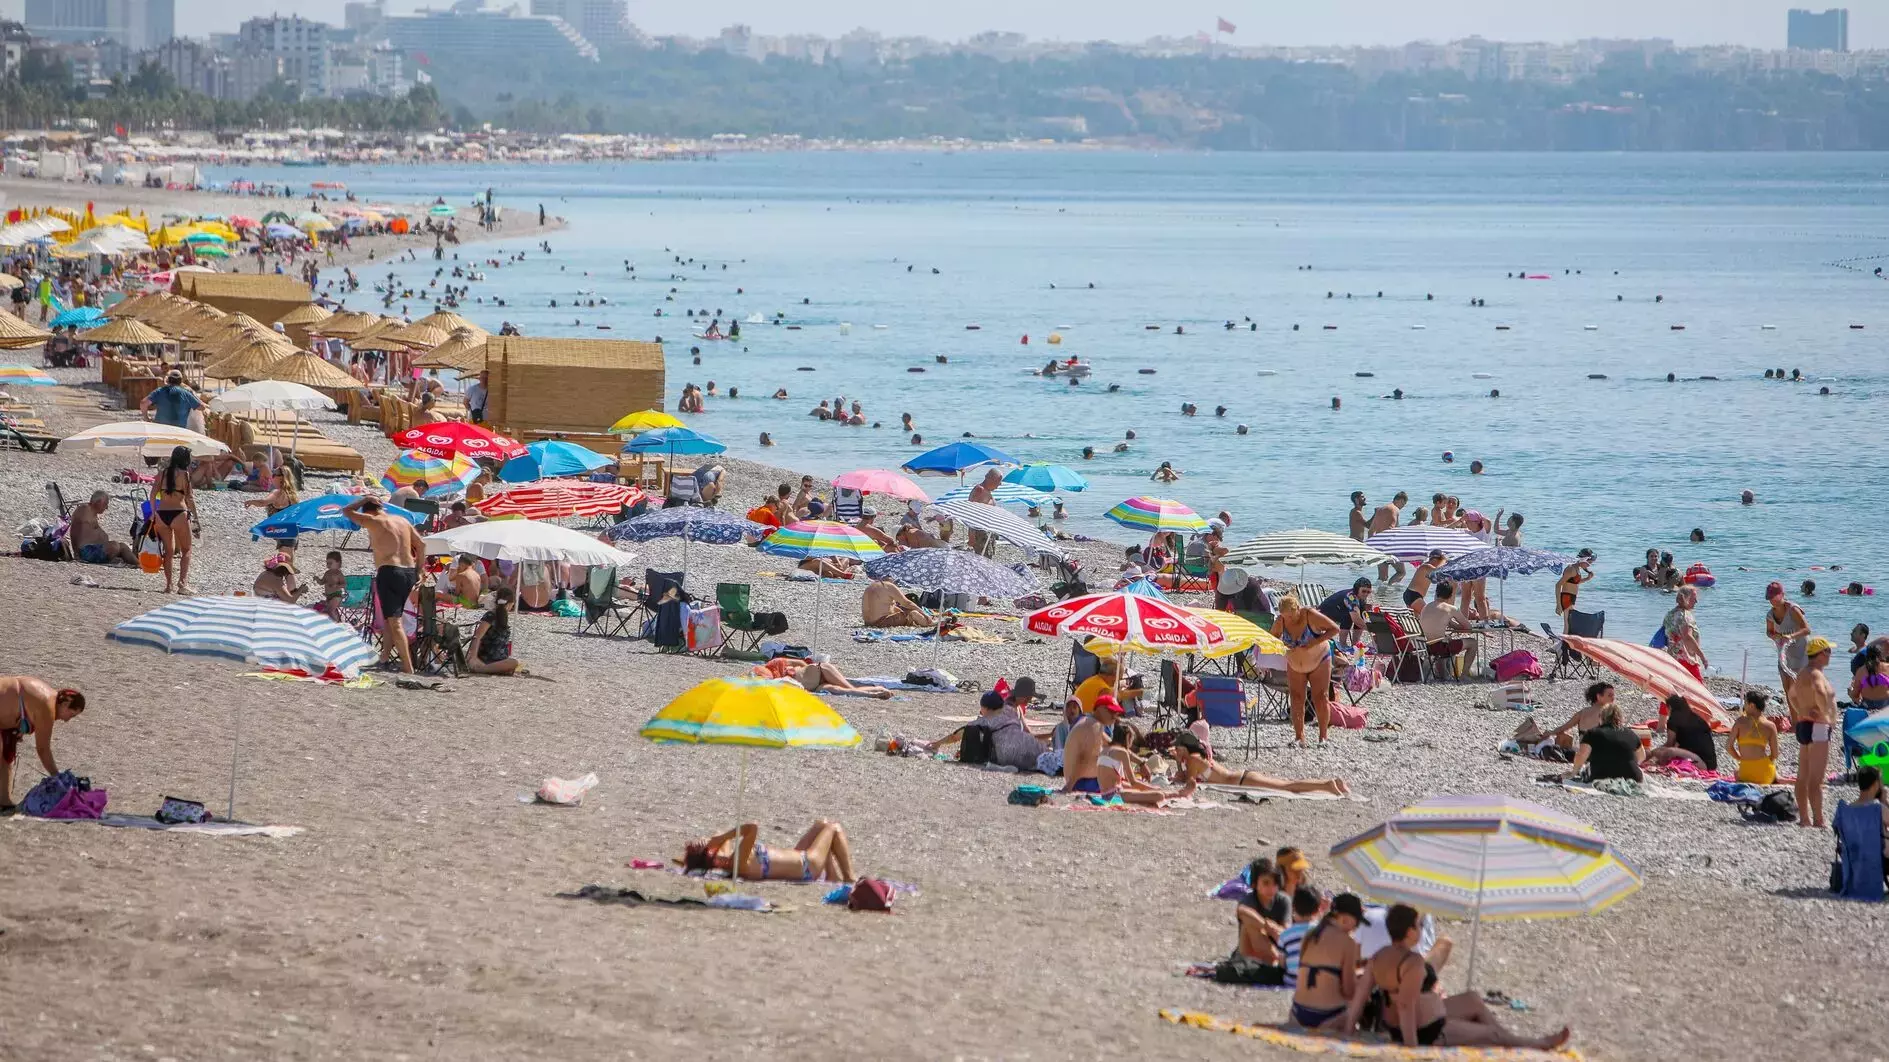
{"x": 1106, "y": 702}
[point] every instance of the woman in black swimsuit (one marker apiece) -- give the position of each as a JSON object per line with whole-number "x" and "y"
{"x": 173, "y": 500}
{"x": 1414, "y": 1013}
{"x": 492, "y": 639}
{"x": 1328, "y": 969}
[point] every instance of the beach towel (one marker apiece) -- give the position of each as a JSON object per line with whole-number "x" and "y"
{"x": 900, "y": 684}
{"x": 204, "y": 829}
{"x": 1257, "y": 793}
{"x": 902, "y": 887}
{"x": 1859, "y": 873}
{"x": 1313, "y": 1044}
{"x": 732, "y": 901}
{"x": 876, "y": 634}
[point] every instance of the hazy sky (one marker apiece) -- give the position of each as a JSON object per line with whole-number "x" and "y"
{"x": 1758, "y": 23}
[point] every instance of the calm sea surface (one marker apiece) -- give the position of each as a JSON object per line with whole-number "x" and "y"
{"x": 1733, "y": 244}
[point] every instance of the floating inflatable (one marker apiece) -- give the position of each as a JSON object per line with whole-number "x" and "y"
{"x": 1268, "y": 372}
{"x": 1501, "y": 328}
{"x": 1482, "y": 376}
{"x": 1597, "y": 376}
{"x": 1364, "y": 375}
{"x": 1145, "y": 372}
{"x": 1699, "y": 575}
{"x": 1055, "y": 339}
{"x": 1590, "y": 328}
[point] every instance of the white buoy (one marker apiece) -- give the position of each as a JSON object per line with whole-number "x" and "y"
{"x": 880, "y": 328}
{"x": 1590, "y": 328}
{"x": 846, "y": 328}
{"x": 1268, "y": 372}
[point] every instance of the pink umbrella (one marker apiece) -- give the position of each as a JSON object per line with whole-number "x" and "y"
{"x": 1654, "y": 671}
{"x": 882, "y": 481}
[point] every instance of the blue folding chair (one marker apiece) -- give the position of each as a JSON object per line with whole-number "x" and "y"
{"x": 1223, "y": 705}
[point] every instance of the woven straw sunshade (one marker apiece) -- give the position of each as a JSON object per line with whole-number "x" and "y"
{"x": 248, "y": 360}
{"x": 449, "y": 322}
{"x": 348, "y": 323}
{"x": 417, "y": 336}
{"x": 464, "y": 350}
{"x": 128, "y": 307}
{"x": 15, "y": 333}
{"x": 310, "y": 370}
{"x": 125, "y": 331}
{"x": 312, "y": 313}
{"x": 203, "y": 332}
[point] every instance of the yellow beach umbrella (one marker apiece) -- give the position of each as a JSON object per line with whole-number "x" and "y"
{"x": 759, "y": 713}
{"x": 645, "y": 420}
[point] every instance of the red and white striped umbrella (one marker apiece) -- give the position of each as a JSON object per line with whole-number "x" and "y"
{"x": 554, "y": 498}
{"x": 1653, "y": 670}
{"x": 450, "y": 437}
{"x": 1127, "y": 619}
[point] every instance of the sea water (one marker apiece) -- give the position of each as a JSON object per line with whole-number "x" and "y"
{"x": 884, "y": 261}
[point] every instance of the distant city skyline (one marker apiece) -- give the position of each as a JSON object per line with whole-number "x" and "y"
{"x": 1750, "y": 23}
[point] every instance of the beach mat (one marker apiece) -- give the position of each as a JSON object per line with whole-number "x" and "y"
{"x": 731, "y": 901}
{"x": 205, "y": 829}
{"x": 1310, "y": 1044}
{"x": 1254, "y": 792}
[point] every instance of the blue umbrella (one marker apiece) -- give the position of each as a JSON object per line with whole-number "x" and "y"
{"x": 953, "y": 458}
{"x": 551, "y": 458}
{"x": 1500, "y": 562}
{"x": 1047, "y": 477}
{"x": 275, "y": 230}
{"x": 674, "y": 441}
{"x": 318, "y": 514}
{"x": 690, "y": 523}
{"x": 1144, "y": 588}
{"x": 79, "y": 315}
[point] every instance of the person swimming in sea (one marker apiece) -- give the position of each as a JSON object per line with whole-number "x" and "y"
{"x": 1166, "y": 473}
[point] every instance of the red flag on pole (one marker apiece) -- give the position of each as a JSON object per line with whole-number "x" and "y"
{"x": 1226, "y": 27}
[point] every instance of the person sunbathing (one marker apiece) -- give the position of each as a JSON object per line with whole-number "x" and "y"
{"x": 1688, "y": 737}
{"x": 1752, "y": 742}
{"x": 821, "y": 854}
{"x": 1328, "y": 967}
{"x": 1198, "y": 766}
{"x": 822, "y": 675}
{"x": 828, "y": 567}
{"x": 885, "y": 605}
{"x": 1091, "y": 765}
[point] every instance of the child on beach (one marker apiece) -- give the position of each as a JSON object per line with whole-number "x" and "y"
{"x": 334, "y": 586}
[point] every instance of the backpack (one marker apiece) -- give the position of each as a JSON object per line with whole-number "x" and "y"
{"x": 1029, "y": 796}
{"x": 1239, "y": 970}
{"x": 870, "y": 894}
{"x": 975, "y": 747}
{"x": 1777, "y": 806}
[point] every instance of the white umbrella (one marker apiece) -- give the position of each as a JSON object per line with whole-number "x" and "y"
{"x": 142, "y": 436}
{"x": 1303, "y": 547}
{"x": 529, "y": 541}
{"x": 271, "y": 395}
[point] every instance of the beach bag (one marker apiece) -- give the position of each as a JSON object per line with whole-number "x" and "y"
{"x": 1347, "y": 716}
{"x": 1240, "y": 970}
{"x": 1029, "y": 796}
{"x": 870, "y": 894}
{"x": 1521, "y": 663}
{"x": 79, "y": 804}
{"x": 975, "y": 747}
{"x": 705, "y": 630}
{"x": 1659, "y": 638}
{"x": 1778, "y": 806}
{"x": 177, "y": 811}
{"x": 45, "y": 796}
{"x": 770, "y": 622}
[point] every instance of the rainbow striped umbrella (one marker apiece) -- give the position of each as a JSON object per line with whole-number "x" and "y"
{"x": 25, "y": 376}
{"x": 1156, "y": 514}
{"x": 443, "y": 475}
{"x": 819, "y": 538}
{"x": 1487, "y": 856}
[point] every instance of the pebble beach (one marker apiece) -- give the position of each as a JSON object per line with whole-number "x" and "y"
{"x": 415, "y": 915}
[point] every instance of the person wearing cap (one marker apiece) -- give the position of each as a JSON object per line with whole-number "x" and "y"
{"x": 1813, "y": 704}
{"x": 277, "y": 580}
{"x": 1788, "y": 629}
{"x": 172, "y": 403}
{"x": 1327, "y": 968}
{"x": 1091, "y": 765}
{"x": 1567, "y": 589}
{"x": 1198, "y": 765}
{"x": 868, "y": 525}
{"x": 1350, "y": 610}
{"x": 1004, "y": 739}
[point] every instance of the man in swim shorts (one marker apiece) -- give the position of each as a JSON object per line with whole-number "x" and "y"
{"x": 397, "y": 552}
{"x": 89, "y": 539}
{"x": 1813, "y": 705}
{"x": 1083, "y": 750}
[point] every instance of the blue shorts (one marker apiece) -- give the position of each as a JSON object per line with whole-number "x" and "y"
{"x": 92, "y": 553}
{"x": 1088, "y": 785}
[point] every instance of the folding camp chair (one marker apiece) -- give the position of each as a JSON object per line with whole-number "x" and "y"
{"x": 1083, "y": 666}
{"x": 848, "y": 505}
{"x": 427, "y": 509}
{"x": 357, "y": 606}
{"x": 1389, "y": 643}
{"x": 741, "y": 632}
{"x": 1311, "y": 595}
{"x": 1223, "y": 705}
{"x": 656, "y": 585}
{"x": 604, "y": 612}
{"x": 683, "y": 490}
{"x": 1167, "y": 705}
{"x": 57, "y": 498}
{"x": 1568, "y": 660}
{"x": 438, "y": 645}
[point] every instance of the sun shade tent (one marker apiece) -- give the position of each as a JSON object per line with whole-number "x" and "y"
{"x": 571, "y": 385}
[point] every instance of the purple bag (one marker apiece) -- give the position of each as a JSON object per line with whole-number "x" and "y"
{"x": 79, "y": 804}
{"x": 1519, "y": 664}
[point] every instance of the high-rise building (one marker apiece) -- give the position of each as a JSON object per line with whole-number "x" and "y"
{"x": 136, "y": 24}
{"x": 364, "y": 16}
{"x": 299, "y": 47}
{"x": 605, "y": 23}
{"x": 195, "y": 67}
{"x": 467, "y": 32}
{"x": 1827, "y": 31}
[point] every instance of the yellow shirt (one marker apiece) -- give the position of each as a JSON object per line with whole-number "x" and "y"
{"x": 1092, "y": 687}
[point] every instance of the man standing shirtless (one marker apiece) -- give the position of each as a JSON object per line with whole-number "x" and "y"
{"x": 1813, "y": 705}
{"x": 1383, "y": 520}
{"x": 397, "y": 551}
{"x": 1360, "y": 524}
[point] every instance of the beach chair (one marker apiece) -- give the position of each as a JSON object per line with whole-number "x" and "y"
{"x": 1083, "y": 666}
{"x": 1859, "y": 871}
{"x": 1223, "y": 705}
{"x": 427, "y": 508}
{"x": 357, "y": 607}
{"x": 438, "y": 645}
{"x": 1852, "y": 748}
{"x": 604, "y": 612}
{"x": 1568, "y": 660}
{"x": 656, "y": 585}
{"x": 29, "y": 439}
{"x": 741, "y": 631}
{"x": 1311, "y": 595}
{"x": 1391, "y": 644}
{"x": 57, "y": 498}
{"x": 848, "y": 505}
{"x": 683, "y": 489}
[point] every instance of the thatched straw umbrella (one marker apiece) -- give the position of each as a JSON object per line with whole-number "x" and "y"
{"x": 449, "y": 322}
{"x": 309, "y": 369}
{"x": 125, "y": 332}
{"x": 15, "y": 333}
{"x": 464, "y": 351}
{"x": 249, "y": 359}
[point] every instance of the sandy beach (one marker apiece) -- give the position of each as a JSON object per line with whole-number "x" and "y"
{"x": 416, "y": 915}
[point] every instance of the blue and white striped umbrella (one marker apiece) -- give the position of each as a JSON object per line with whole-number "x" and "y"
{"x": 992, "y": 520}
{"x": 714, "y": 526}
{"x": 1415, "y": 541}
{"x": 251, "y": 629}
{"x": 1005, "y": 494}
{"x": 1500, "y": 562}
{"x": 953, "y": 571}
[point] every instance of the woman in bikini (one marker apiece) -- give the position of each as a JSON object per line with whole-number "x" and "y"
{"x": 1788, "y": 628}
{"x": 1753, "y": 742}
{"x": 1198, "y": 766}
{"x": 1869, "y": 686}
{"x": 28, "y": 708}
{"x": 1328, "y": 969}
{"x": 1308, "y": 635}
{"x": 172, "y": 501}
{"x": 1414, "y": 1013}
{"x": 821, "y": 854}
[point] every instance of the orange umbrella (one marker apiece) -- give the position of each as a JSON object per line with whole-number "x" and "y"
{"x": 1652, "y": 670}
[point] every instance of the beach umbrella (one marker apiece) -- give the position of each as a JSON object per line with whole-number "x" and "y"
{"x": 1003, "y": 494}
{"x": 16, "y": 333}
{"x": 674, "y": 441}
{"x": 464, "y": 350}
{"x": 309, "y": 369}
{"x": 125, "y": 331}
{"x": 276, "y": 395}
{"x": 1242, "y": 634}
{"x": 550, "y": 458}
{"x": 1486, "y": 856}
{"x": 309, "y": 313}
{"x": 1144, "y": 623}
{"x": 952, "y": 459}
{"x": 644, "y": 420}
{"x": 249, "y": 358}
{"x": 25, "y": 376}
{"x": 444, "y": 475}
{"x": 757, "y": 713}
{"x": 416, "y": 335}
{"x": 241, "y": 221}
{"x": 441, "y": 210}
{"x": 1303, "y": 547}
{"x": 690, "y": 523}
{"x": 448, "y": 437}
{"x": 1502, "y": 562}
{"x": 1156, "y": 514}
{"x": 140, "y": 436}
{"x": 999, "y": 522}
{"x": 1047, "y": 477}
{"x": 201, "y": 238}
{"x": 1142, "y": 587}
{"x": 319, "y": 514}
{"x": 951, "y": 571}
{"x": 558, "y": 498}
{"x": 527, "y": 541}
{"x": 449, "y": 322}
{"x": 347, "y": 324}
{"x": 819, "y": 538}
{"x": 1653, "y": 670}
{"x": 275, "y": 230}
{"x": 1415, "y": 541}
{"x": 83, "y": 316}
{"x": 881, "y": 481}
{"x": 1872, "y": 733}
{"x": 210, "y": 250}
